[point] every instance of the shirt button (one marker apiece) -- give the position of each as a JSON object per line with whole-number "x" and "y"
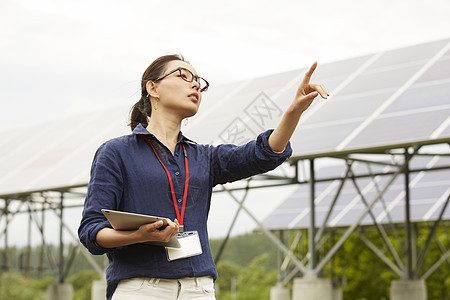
{"x": 179, "y": 200}
{"x": 177, "y": 173}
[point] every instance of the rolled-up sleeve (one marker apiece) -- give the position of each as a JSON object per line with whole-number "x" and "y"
{"x": 104, "y": 191}
{"x": 230, "y": 162}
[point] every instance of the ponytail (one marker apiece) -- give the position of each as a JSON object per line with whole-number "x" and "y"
{"x": 141, "y": 112}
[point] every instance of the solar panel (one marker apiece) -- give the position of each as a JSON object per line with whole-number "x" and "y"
{"x": 400, "y": 127}
{"x": 446, "y": 131}
{"x": 350, "y": 109}
{"x": 317, "y": 139}
{"x": 55, "y": 154}
{"x": 422, "y": 52}
{"x": 377, "y": 80}
{"x": 438, "y": 71}
{"x": 422, "y": 96}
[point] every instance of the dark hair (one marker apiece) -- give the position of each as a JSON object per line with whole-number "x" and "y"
{"x": 142, "y": 110}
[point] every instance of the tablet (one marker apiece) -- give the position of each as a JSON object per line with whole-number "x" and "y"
{"x": 120, "y": 220}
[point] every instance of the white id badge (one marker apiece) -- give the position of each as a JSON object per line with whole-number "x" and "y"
{"x": 190, "y": 246}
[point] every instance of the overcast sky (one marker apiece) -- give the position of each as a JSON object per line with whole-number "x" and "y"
{"x": 59, "y": 57}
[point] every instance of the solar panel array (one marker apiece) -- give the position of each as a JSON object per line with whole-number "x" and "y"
{"x": 397, "y": 96}
{"x": 384, "y": 98}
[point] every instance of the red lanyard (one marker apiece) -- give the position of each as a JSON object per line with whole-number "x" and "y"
{"x": 180, "y": 216}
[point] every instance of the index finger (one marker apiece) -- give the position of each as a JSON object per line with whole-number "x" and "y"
{"x": 309, "y": 73}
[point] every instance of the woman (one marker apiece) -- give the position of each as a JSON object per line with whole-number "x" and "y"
{"x": 157, "y": 171}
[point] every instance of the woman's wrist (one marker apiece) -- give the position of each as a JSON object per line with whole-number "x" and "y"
{"x": 111, "y": 238}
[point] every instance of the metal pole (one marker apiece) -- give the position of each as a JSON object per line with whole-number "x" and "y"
{"x": 61, "y": 245}
{"x": 6, "y": 255}
{"x": 224, "y": 243}
{"x": 408, "y": 272}
{"x": 312, "y": 221}
{"x": 28, "y": 257}
{"x": 41, "y": 257}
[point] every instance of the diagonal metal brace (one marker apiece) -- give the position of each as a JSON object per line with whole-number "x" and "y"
{"x": 270, "y": 235}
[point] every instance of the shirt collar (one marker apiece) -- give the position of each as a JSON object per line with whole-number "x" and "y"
{"x": 140, "y": 129}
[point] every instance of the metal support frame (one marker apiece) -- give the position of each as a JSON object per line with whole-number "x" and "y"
{"x": 269, "y": 234}
{"x": 415, "y": 268}
{"x": 399, "y": 266}
{"x": 28, "y": 253}
{"x": 45, "y": 247}
{"x": 404, "y": 168}
{"x": 309, "y": 265}
{"x": 352, "y": 228}
{"x": 313, "y": 269}
{"x": 59, "y": 267}
{"x": 6, "y": 264}
{"x": 84, "y": 251}
{"x": 378, "y": 226}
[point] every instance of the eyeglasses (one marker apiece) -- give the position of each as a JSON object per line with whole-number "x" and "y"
{"x": 187, "y": 75}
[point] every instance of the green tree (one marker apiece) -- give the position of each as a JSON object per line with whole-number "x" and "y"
{"x": 255, "y": 281}
{"x": 82, "y": 284}
{"x": 227, "y": 271}
{"x": 15, "y": 286}
{"x": 438, "y": 284}
{"x": 367, "y": 276}
{"x": 254, "y": 244}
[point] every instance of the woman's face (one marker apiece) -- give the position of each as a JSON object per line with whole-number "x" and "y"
{"x": 177, "y": 95}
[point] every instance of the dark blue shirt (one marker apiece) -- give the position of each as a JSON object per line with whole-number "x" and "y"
{"x": 127, "y": 176}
